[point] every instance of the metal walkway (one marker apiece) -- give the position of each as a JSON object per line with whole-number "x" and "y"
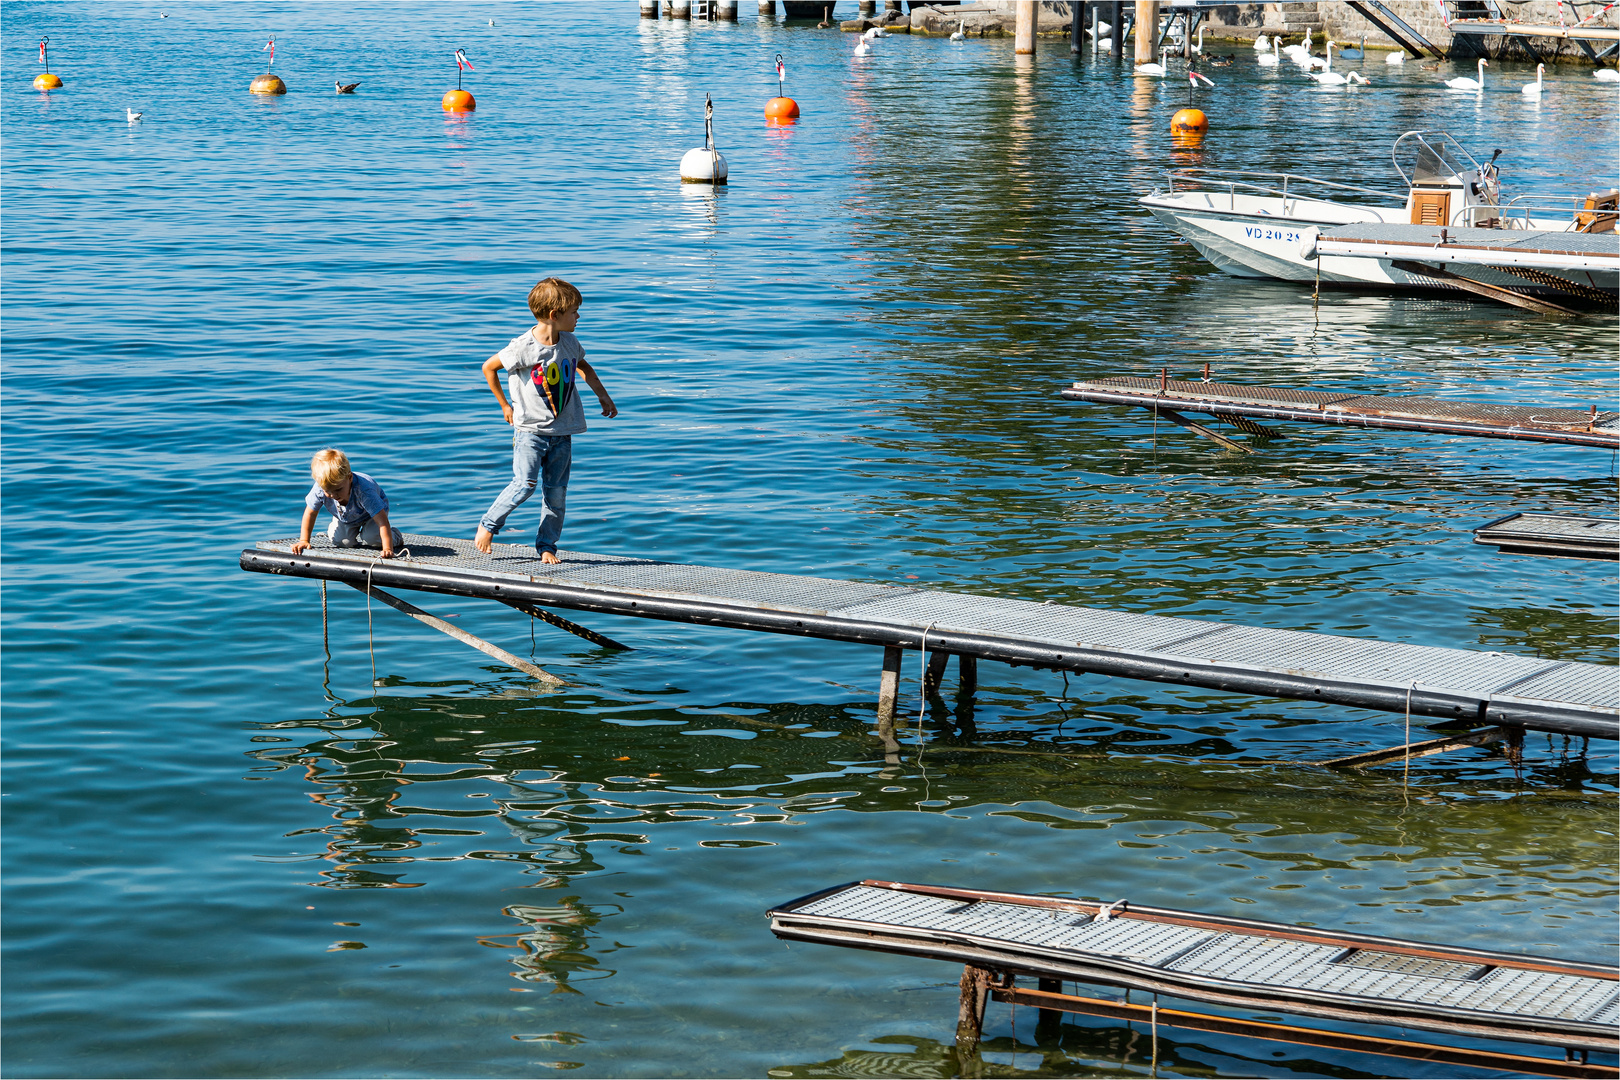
{"x": 1441, "y": 416}
{"x": 1476, "y": 687}
{"x": 1570, "y": 536}
{"x": 1532, "y": 249}
{"x": 1247, "y": 963}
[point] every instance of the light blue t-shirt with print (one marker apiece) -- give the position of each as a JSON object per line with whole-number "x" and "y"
{"x": 543, "y": 383}
{"x": 366, "y": 501}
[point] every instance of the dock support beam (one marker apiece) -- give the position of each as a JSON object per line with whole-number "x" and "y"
{"x": 460, "y": 635}
{"x": 1077, "y": 19}
{"x": 767, "y": 9}
{"x": 1199, "y": 429}
{"x": 1147, "y": 31}
{"x": 888, "y": 692}
{"x": 936, "y": 672}
{"x": 967, "y": 671}
{"x": 1420, "y": 749}
{"x": 649, "y": 9}
{"x": 727, "y": 10}
{"x": 1024, "y": 29}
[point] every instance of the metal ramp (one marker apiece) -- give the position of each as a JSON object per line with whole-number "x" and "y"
{"x": 1422, "y": 680}
{"x": 1228, "y": 961}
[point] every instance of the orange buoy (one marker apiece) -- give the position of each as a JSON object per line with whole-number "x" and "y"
{"x": 267, "y": 84}
{"x": 1189, "y": 122}
{"x": 458, "y": 101}
{"x": 47, "y": 81}
{"x": 781, "y": 109}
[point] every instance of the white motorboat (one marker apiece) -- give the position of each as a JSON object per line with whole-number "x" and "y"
{"x": 1266, "y": 225}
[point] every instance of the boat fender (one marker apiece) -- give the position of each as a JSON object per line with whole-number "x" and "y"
{"x": 1307, "y": 246}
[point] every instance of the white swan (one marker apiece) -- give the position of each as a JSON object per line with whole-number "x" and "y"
{"x": 1198, "y": 46}
{"x": 862, "y": 47}
{"x": 1155, "y": 70}
{"x": 957, "y": 34}
{"x": 1395, "y": 58}
{"x": 1268, "y": 59}
{"x": 1106, "y": 44}
{"x": 1328, "y": 77}
{"x": 1533, "y": 89}
{"x": 1353, "y": 53}
{"x": 1302, "y": 47}
{"x": 1606, "y": 75}
{"x": 1470, "y": 84}
{"x": 1262, "y": 43}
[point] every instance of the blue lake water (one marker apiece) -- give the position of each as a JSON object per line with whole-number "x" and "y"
{"x": 229, "y": 854}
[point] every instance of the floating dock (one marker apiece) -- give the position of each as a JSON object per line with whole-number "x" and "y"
{"x": 1246, "y": 964}
{"x": 1482, "y": 688}
{"x": 1560, "y": 272}
{"x": 1570, "y": 536}
{"x": 1240, "y": 404}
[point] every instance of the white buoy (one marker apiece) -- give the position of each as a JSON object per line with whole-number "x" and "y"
{"x": 704, "y": 165}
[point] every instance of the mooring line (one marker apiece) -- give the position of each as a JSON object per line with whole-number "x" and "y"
{"x": 1406, "y": 760}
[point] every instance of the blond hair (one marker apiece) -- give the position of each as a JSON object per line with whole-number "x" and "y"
{"x": 330, "y": 468}
{"x": 552, "y": 297}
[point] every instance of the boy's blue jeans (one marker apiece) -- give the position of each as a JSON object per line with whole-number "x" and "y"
{"x": 542, "y": 458}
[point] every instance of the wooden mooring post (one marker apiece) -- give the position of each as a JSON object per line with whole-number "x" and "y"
{"x": 975, "y": 993}
{"x": 888, "y": 692}
{"x": 1147, "y": 31}
{"x": 1024, "y": 29}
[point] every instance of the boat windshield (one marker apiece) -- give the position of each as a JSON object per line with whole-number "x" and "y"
{"x": 1428, "y": 158}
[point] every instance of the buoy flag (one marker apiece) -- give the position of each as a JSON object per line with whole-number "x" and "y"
{"x": 781, "y": 70}
{"x": 271, "y": 46}
{"x": 42, "y": 52}
{"x": 463, "y": 62}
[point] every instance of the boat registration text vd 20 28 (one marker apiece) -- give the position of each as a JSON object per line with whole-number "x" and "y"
{"x": 1257, "y": 232}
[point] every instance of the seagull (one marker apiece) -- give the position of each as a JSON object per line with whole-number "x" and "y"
{"x": 1155, "y": 70}
{"x": 1470, "y": 84}
{"x": 342, "y": 89}
{"x": 163, "y": 14}
{"x": 492, "y": 22}
{"x": 1533, "y": 90}
{"x": 1395, "y": 58}
{"x": 957, "y": 34}
{"x": 133, "y": 115}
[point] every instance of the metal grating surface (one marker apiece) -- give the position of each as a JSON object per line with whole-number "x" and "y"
{"x": 1607, "y": 1013}
{"x": 1214, "y": 391}
{"x": 1412, "y": 965}
{"x": 1559, "y": 526}
{"x": 1477, "y": 412}
{"x": 1589, "y": 684}
{"x": 1361, "y": 660}
{"x": 1000, "y": 617}
{"x": 1238, "y": 957}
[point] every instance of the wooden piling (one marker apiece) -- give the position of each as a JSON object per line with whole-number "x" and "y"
{"x": 649, "y": 9}
{"x": 975, "y": 991}
{"x": 1147, "y": 31}
{"x": 888, "y": 692}
{"x": 767, "y": 9}
{"x": 1077, "y": 19}
{"x": 1024, "y": 29}
{"x": 680, "y": 9}
{"x": 727, "y": 11}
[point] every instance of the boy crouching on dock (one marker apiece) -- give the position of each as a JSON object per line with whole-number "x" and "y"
{"x": 542, "y": 367}
{"x": 356, "y": 502}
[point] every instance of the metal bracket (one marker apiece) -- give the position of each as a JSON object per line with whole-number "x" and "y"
{"x": 1199, "y": 429}
{"x": 563, "y": 624}
{"x": 1419, "y": 749}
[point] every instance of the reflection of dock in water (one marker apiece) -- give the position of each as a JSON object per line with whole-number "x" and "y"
{"x": 1234, "y": 963}
{"x": 1476, "y": 688}
{"x": 1240, "y": 405}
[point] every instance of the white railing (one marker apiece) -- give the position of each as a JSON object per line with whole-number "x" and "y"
{"x": 1265, "y": 183}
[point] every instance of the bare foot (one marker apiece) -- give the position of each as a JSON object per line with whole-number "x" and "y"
{"x": 549, "y": 557}
{"x": 484, "y": 541}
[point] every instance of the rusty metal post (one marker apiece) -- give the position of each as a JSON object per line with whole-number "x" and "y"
{"x": 1024, "y": 29}
{"x": 1048, "y": 1020}
{"x": 936, "y": 672}
{"x": 1077, "y": 18}
{"x": 1147, "y": 31}
{"x": 975, "y": 992}
{"x": 888, "y": 692}
{"x": 967, "y": 685}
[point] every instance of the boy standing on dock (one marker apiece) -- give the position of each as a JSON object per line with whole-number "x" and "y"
{"x": 542, "y": 367}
